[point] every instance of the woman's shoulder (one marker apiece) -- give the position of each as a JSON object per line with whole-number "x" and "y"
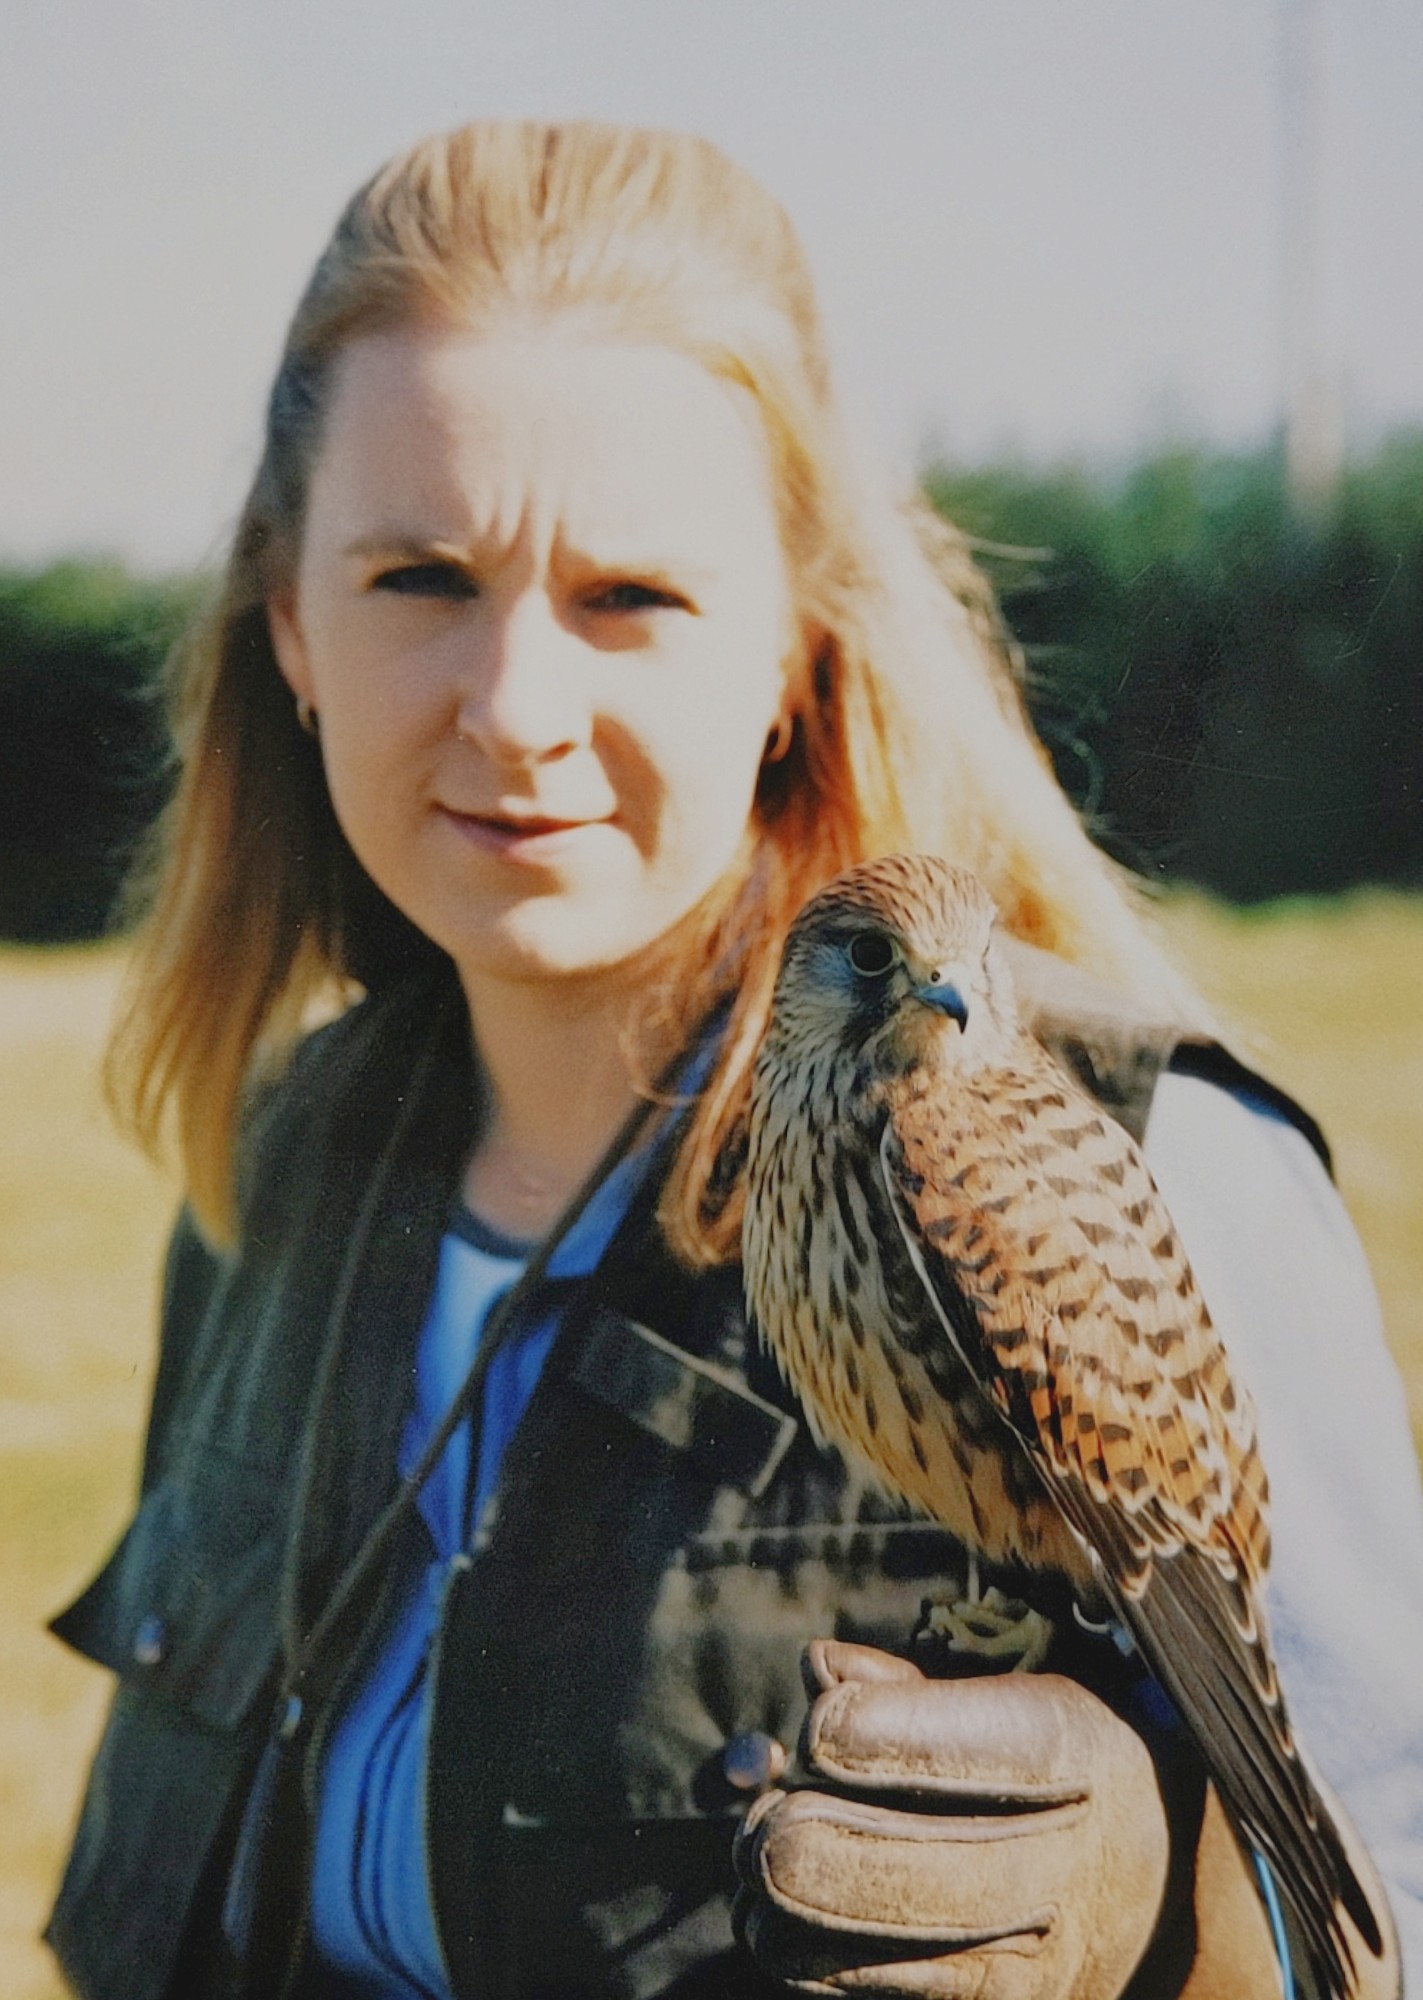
{"x": 334, "y": 1099}
{"x": 290, "y": 1101}
{"x": 1121, "y": 1049}
{"x": 1285, "y": 1276}
{"x": 283, "y": 1148}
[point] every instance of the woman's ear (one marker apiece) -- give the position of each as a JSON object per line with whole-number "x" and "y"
{"x": 289, "y": 646}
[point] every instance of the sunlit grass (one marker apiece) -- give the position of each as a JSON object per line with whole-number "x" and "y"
{"x": 81, "y": 1227}
{"x": 1333, "y": 993}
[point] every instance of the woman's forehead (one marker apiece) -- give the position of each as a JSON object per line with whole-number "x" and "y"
{"x": 438, "y": 433}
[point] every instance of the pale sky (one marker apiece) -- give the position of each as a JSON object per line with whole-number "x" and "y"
{"x": 1044, "y": 226}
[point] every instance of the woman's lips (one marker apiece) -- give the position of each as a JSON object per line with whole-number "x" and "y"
{"x": 531, "y": 840}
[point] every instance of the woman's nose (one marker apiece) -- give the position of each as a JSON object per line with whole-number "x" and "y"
{"x": 521, "y": 698}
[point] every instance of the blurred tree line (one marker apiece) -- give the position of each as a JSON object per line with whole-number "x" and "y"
{"x": 1234, "y": 696}
{"x": 84, "y": 759}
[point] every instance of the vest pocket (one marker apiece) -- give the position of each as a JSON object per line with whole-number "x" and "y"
{"x": 187, "y": 1604}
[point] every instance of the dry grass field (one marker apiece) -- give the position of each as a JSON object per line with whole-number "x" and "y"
{"x": 1329, "y": 995}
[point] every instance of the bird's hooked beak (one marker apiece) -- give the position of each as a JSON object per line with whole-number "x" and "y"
{"x": 943, "y": 992}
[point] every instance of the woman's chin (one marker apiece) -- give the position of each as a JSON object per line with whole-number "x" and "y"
{"x": 535, "y": 947}
{"x": 597, "y": 932}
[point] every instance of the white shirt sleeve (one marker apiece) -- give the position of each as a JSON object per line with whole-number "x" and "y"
{"x": 1286, "y": 1282}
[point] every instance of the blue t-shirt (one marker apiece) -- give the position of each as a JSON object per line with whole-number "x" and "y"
{"x": 372, "y": 1921}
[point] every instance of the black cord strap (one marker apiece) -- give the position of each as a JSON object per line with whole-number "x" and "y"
{"x": 302, "y": 1681}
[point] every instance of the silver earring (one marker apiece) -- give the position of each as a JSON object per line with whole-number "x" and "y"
{"x": 307, "y": 719}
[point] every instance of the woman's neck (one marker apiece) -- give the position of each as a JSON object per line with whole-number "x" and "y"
{"x": 557, "y": 1090}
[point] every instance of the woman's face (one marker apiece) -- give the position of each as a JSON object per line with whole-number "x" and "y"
{"x": 542, "y": 613}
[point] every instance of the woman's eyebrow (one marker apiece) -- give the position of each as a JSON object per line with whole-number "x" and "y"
{"x": 649, "y": 564}
{"x": 404, "y": 545}
{"x": 662, "y": 568}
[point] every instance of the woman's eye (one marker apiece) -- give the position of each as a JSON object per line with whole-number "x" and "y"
{"x": 432, "y": 579}
{"x": 635, "y": 597}
{"x": 872, "y": 954}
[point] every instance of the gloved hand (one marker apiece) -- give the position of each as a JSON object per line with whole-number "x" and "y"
{"x": 1001, "y": 1837}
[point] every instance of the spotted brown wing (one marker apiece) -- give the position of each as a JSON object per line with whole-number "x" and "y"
{"x": 1053, "y": 1267}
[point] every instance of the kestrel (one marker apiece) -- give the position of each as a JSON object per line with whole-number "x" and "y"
{"x": 967, "y": 1274}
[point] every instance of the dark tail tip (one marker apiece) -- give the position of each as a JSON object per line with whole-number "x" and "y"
{"x": 1361, "y": 1913}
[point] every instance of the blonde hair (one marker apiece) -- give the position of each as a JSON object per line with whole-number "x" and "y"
{"x": 909, "y": 729}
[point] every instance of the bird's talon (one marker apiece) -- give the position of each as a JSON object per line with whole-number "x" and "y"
{"x": 989, "y": 1627}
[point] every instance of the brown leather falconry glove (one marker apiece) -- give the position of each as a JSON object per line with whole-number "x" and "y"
{"x": 1001, "y": 1837}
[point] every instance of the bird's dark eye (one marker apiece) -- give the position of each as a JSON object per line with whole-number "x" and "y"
{"x": 872, "y": 954}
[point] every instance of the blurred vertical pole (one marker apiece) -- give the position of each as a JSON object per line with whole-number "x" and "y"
{"x": 1312, "y": 444}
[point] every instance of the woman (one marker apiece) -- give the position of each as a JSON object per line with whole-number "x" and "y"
{"x": 563, "y": 650}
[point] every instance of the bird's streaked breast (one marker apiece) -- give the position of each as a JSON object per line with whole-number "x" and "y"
{"x": 844, "y": 1318}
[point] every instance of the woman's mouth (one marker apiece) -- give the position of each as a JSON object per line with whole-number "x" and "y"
{"x": 531, "y": 838}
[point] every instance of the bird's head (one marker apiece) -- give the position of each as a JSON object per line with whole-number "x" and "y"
{"x": 900, "y": 952}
